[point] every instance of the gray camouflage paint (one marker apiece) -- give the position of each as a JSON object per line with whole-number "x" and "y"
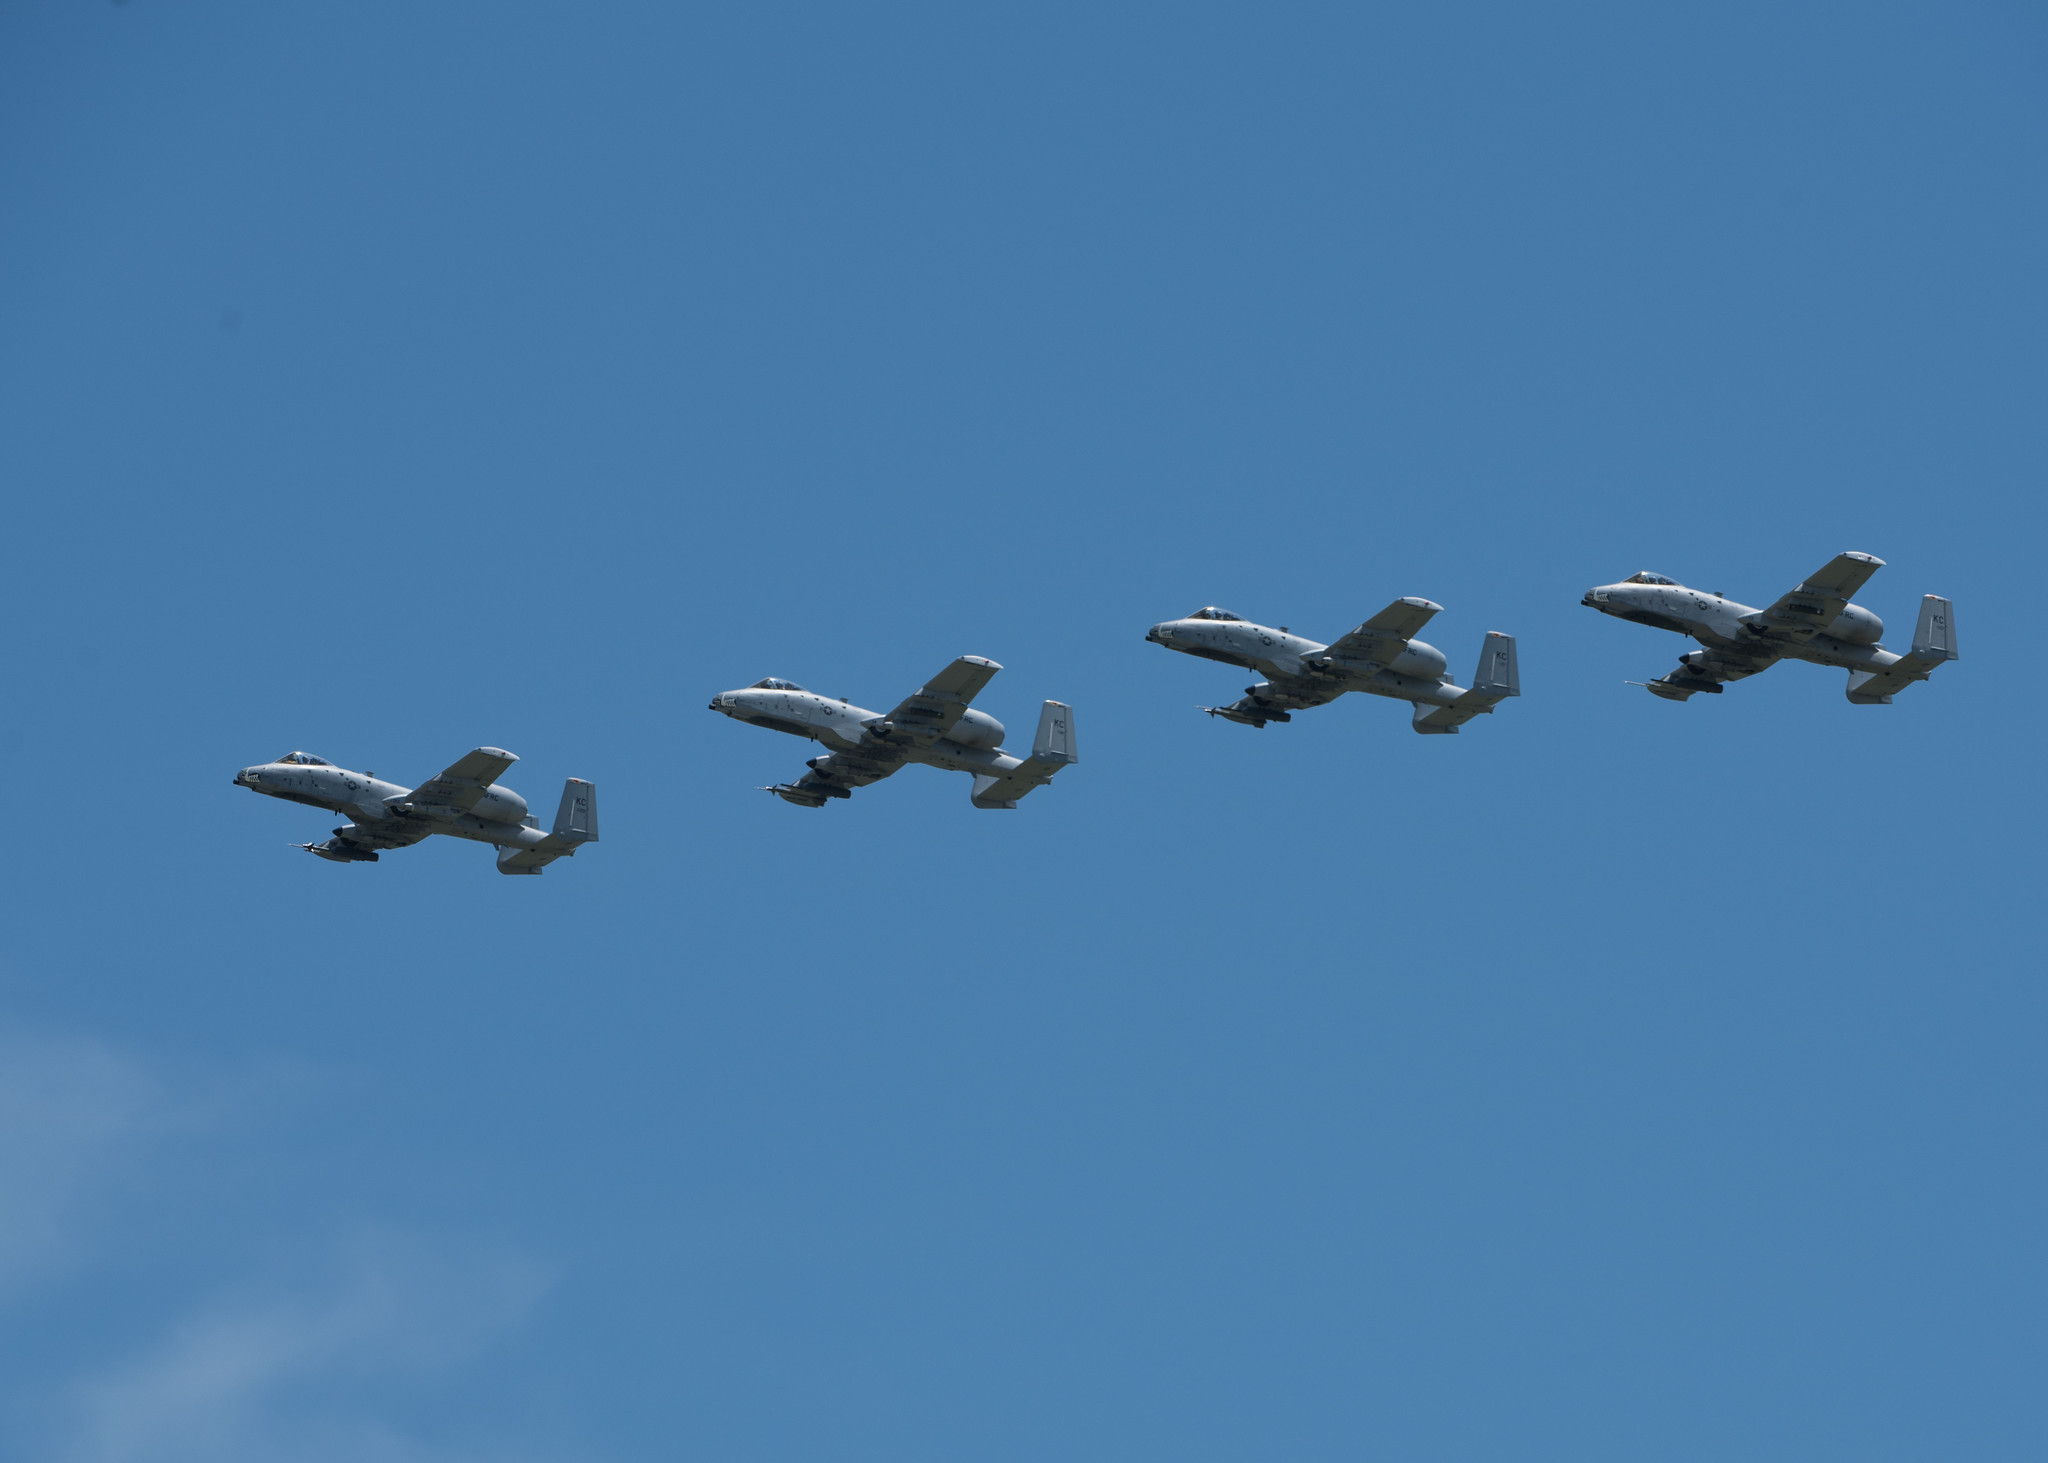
{"x": 1301, "y": 672}
{"x": 1814, "y": 622}
{"x": 934, "y": 727}
{"x": 389, "y": 816}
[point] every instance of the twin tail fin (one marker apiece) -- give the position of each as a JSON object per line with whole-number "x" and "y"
{"x": 575, "y": 825}
{"x": 1051, "y": 749}
{"x": 1498, "y": 677}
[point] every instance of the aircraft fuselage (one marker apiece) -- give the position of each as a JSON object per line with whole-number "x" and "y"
{"x": 1287, "y": 659}
{"x": 383, "y": 816}
{"x": 1717, "y": 622}
{"x": 973, "y": 744}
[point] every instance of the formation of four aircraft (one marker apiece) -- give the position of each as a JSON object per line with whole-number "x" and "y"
{"x": 939, "y": 727}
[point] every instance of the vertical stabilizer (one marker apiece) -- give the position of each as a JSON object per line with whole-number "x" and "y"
{"x": 576, "y": 822}
{"x": 1934, "y": 638}
{"x": 1934, "y": 644}
{"x": 1055, "y": 739}
{"x": 1499, "y": 675}
{"x": 1051, "y": 750}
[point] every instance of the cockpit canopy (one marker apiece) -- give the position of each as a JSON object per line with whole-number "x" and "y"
{"x": 1644, "y": 576}
{"x": 775, "y": 683}
{"x": 305, "y": 759}
{"x": 1210, "y": 612}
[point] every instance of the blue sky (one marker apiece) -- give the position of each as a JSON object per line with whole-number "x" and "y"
{"x": 1615, "y": 1079}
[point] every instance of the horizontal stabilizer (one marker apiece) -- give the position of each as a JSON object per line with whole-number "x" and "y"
{"x": 991, "y": 791}
{"x": 1051, "y": 750}
{"x": 523, "y": 860}
{"x": 1934, "y": 644}
{"x": 575, "y": 825}
{"x": 1499, "y": 676}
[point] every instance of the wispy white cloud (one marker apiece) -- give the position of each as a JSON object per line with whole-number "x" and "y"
{"x": 310, "y": 1343}
{"x": 70, "y": 1111}
{"x": 270, "y": 1375}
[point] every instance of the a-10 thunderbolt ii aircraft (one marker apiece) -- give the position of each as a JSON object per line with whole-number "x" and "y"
{"x": 935, "y": 726}
{"x": 463, "y": 802}
{"x": 1382, "y": 657}
{"x": 1815, "y": 622}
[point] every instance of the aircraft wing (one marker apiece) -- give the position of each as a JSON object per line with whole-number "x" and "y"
{"x": 1386, "y": 634}
{"x": 1705, "y": 670}
{"x": 836, "y": 774}
{"x": 1810, "y": 608}
{"x": 464, "y": 781}
{"x": 936, "y": 705}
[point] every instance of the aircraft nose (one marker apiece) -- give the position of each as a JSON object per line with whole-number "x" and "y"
{"x": 1157, "y": 633}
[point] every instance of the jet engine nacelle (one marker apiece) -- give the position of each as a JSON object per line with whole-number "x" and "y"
{"x": 977, "y": 729}
{"x": 1856, "y": 625}
{"x": 1424, "y": 662}
{"x": 500, "y": 805}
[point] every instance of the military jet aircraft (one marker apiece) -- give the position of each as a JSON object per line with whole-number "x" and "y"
{"x": 934, "y": 726}
{"x": 463, "y": 802}
{"x": 1382, "y": 657}
{"x": 1815, "y": 622}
